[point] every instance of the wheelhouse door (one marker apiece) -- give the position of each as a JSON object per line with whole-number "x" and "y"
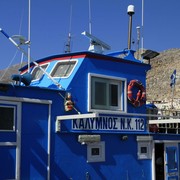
{"x": 10, "y": 119}
{"x": 171, "y": 162}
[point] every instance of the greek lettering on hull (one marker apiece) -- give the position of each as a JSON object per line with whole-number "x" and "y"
{"x": 109, "y": 123}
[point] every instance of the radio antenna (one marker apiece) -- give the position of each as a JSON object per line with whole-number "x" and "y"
{"x": 68, "y": 44}
{"x": 138, "y": 41}
{"x": 142, "y": 28}
{"x": 90, "y": 21}
{"x": 29, "y": 35}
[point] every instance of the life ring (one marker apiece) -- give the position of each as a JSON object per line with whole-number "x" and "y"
{"x": 141, "y": 94}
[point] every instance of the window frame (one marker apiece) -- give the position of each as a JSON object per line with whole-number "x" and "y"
{"x": 63, "y": 61}
{"x": 100, "y": 157}
{"x": 40, "y": 70}
{"x": 14, "y": 117}
{"x": 148, "y": 147}
{"x": 122, "y": 95}
{"x": 144, "y": 142}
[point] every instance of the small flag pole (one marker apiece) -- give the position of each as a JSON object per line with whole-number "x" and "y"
{"x": 173, "y": 82}
{"x": 172, "y": 96}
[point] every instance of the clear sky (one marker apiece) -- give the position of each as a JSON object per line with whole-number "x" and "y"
{"x": 52, "y": 20}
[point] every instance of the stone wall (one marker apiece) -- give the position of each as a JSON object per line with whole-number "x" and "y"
{"x": 158, "y": 78}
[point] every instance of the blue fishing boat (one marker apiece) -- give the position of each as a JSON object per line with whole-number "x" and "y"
{"x": 83, "y": 115}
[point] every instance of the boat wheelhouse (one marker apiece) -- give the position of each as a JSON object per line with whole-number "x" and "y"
{"x": 82, "y": 116}
{"x": 86, "y": 127}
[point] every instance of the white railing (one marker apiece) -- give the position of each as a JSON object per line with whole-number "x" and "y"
{"x": 167, "y": 121}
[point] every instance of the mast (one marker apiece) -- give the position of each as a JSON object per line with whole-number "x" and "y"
{"x": 130, "y": 12}
{"x": 142, "y": 28}
{"x": 138, "y": 41}
{"x": 29, "y": 34}
{"x": 68, "y": 44}
{"x": 90, "y": 22}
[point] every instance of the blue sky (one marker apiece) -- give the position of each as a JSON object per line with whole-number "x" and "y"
{"x": 50, "y": 25}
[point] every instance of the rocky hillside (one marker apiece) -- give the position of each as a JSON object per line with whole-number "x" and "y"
{"x": 5, "y": 75}
{"x": 158, "y": 78}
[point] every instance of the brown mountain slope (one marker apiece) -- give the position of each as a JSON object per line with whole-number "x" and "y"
{"x": 5, "y": 75}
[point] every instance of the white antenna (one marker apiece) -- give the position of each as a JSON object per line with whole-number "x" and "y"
{"x": 90, "y": 22}
{"x": 29, "y": 35}
{"x": 142, "y": 25}
{"x": 70, "y": 19}
{"x": 96, "y": 44}
{"x": 138, "y": 40}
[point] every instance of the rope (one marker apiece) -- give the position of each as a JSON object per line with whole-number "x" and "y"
{"x": 9, "y": 65}
{"x": 20, "y": 28}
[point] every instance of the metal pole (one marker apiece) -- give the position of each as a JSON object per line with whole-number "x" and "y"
{"x": 142, "y": 28}
{"x": 90, "y": 22}
{"x": 29, "y": 35}
{"x": 172, "y": 101}
{"x": 129, "y": 32}
{"x": 138, "y": 41}
{"x": 130, "y": 12}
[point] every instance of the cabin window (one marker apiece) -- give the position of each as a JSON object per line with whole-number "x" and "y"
{"x": 7, "y": 115}
{"x": 106, "y": 93}
{"x": 63, "y": 69}
{"x": 37, "y": 73}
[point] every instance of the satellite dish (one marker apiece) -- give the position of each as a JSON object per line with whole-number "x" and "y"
{"x": 20, "y": 39}
{"x": 96, "y": 44}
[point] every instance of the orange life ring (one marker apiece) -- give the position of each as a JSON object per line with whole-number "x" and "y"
{"x": 141, "y": 94}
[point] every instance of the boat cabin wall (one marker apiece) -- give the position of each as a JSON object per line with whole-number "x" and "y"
{"x": 63, "y": 76}
{"x": 108, "y": 71}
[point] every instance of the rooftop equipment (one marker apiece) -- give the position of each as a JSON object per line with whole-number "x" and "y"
{"x": 96, "y": 45}
{"x": 149, "y": 54}
{"x": 130, "y": 11}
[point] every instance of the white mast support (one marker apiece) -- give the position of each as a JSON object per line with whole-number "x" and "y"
{"x": 29, "y": 35}
{"x": 23, "y": 51}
